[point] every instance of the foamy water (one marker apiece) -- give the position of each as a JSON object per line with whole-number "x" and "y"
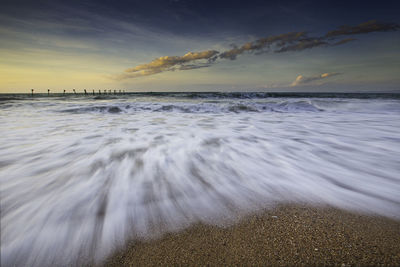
{"x": 81, "y": 175}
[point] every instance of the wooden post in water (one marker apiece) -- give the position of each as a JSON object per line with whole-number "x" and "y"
{"x": 64, "y": 91}
{"x": 85, "y": 91}
{"x": 74, "y": 91}
{"x": 99, "y": 92}
{"x": 48, "y": 92}
{"x": 32, "y": 92}
{"x": 93, "y": 91}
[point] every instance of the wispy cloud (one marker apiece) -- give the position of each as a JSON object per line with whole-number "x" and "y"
{"x": 194, "y": 66}
{"x": 343, "y": 41}
{"x": 171, "y": 63}
{"x": 298, "y": 41}
{"x": 366, "y": 27}
{"x": 303, "y": 44}
{"x": 287, "y": 42}
{"x": 263, "y": 43}
{"x": 302, "y": 80}
{"x": 311, "y": 43}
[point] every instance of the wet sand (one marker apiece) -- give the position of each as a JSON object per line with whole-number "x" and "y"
{"x": 290, "y": 235}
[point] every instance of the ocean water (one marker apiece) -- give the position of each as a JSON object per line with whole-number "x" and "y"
{"x": 80, "y": 175}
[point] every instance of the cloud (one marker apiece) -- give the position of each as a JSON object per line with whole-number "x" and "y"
{"x": 303, "y": 44}
{"x": 170, "y": 63}
{"x": 292, "y": 41}
{"x": 298, "y": 41}
{"x": 343, "y": 41}
{"x": 193, "y": 66}
{"x": 262, "y": 43}
{"x": 311, "y": 43}
{"x": 366, "y": 27}
{"x": 302, "y": 80}
{"x": 167, "y": 62}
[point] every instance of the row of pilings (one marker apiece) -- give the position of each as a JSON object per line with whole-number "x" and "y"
{"x": 85, "y": 92}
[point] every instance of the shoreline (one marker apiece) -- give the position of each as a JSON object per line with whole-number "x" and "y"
{"x": 287, "y": 235}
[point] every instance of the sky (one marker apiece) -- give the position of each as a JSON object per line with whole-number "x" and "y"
{"x": 187, "y": 45}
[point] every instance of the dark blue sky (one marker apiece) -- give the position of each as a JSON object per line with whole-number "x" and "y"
{"x": 105, "y": 38}
{"x": 211, "y": 17}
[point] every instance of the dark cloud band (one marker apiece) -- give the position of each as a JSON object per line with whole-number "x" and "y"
{"x": 264, "y": 43}
{"x": 292, "y": 41}
{"x": 366, "y": 27}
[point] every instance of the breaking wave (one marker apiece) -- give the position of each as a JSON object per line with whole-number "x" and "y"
{"x": 209, "y": 106}
{"x": 204, "y": 107}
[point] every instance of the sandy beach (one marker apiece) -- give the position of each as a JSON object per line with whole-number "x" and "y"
{"x": 289, "y": 235}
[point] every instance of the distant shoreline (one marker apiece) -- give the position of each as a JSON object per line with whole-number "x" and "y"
{"x": 289, "y": 235}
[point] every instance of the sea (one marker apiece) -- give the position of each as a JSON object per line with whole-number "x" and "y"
{"x": 80, "y": 175}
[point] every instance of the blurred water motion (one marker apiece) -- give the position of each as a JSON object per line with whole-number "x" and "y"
{"x": 79, "y": 176}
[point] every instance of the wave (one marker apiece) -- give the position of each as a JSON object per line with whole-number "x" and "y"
{"x": 218, "y": 106}
{"x": 101, "y": 109}
{"x": 203, "y": 107}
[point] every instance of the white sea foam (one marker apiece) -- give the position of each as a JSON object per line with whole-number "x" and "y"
{"x": 81, "y": 176}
